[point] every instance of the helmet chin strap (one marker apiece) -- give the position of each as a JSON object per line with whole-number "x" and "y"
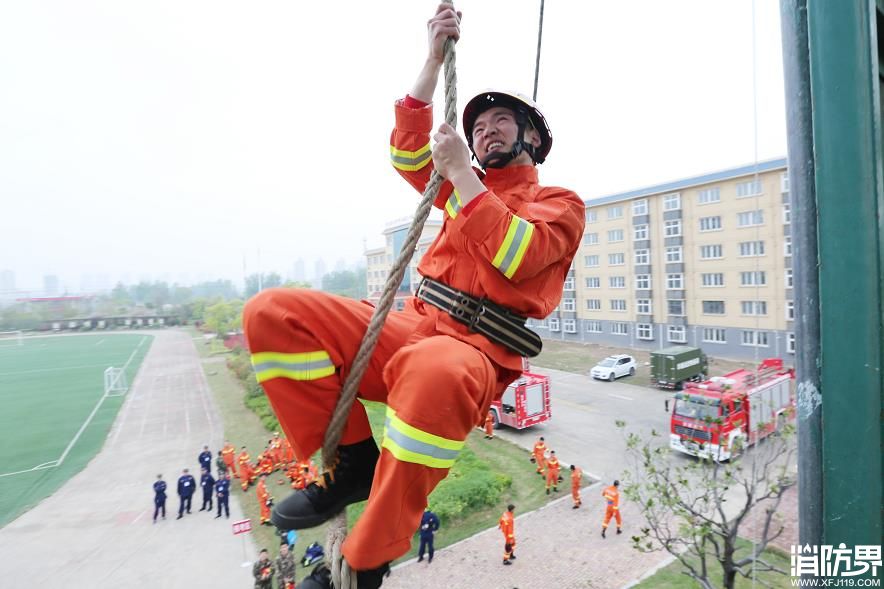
{"x": 499, "y": 159}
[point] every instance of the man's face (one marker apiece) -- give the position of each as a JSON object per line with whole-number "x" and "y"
{"x": 283, "y": 549}
{"x": 496, "y": 130}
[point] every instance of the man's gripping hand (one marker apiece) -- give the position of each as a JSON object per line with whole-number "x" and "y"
{"x": 451, "y": 156}
{"x": 446, "y": 23}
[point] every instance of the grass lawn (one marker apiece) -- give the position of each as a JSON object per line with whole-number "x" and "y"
{"x": 498, "y": 457}
{"x": 671, "y": 577}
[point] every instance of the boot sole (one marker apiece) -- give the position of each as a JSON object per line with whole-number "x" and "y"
{"x": 303, "y": 522}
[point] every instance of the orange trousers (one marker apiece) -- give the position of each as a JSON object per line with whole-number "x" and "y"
{"x": 541, "y": 462}
{"x": 435, "y": 383}
{"x": 575, "y": 494}
{"x": 231, "y": 465}
{"x": 610, "y": 512}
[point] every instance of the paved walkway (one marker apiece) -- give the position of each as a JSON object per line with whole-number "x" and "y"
{"x": 96, "y": 531}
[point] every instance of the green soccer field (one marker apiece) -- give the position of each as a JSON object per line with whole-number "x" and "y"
{"x": 49, "y": 388}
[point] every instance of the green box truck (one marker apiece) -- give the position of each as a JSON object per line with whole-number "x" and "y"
{"x": 670, "y": 367}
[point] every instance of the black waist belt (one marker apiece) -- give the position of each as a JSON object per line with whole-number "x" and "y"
{"x": 495, "y": 322}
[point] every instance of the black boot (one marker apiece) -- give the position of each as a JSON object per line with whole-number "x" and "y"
{"x": 320, "y": 578}
{"x": 347, "y": 481}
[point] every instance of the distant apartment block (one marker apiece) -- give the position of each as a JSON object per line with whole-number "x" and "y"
{"x": 379, "y": 260}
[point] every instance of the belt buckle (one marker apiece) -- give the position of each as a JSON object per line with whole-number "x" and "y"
{"x": 461, "y": 309}
{"x": 480, "y": 310}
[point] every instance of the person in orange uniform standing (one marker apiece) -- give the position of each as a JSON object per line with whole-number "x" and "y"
{"x": 612, "y": 506}
{"x": 489, "y": 426}
{"x": 576, "y": 476}
{"x": 552, "y": 472}
{"x": 264, "y": 500}
{"x": 507, "y": 525}
{"x": 502, "y": 255}
{"x": 228, "y": 454}
{"x": 246, "y": 473}
{"x": 540, "y": 455}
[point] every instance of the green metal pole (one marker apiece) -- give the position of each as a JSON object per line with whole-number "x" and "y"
{"x": 848, "y": 181}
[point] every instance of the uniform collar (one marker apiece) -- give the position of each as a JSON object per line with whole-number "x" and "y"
{"x": 510, "y": 176}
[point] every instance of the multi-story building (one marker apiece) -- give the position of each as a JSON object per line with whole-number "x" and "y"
{"x": 702, "y": 261}
{"x": 379, "y": 260}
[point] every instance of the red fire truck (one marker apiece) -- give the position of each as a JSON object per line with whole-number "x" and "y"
{"x": 710, "y": 418}
{"x": 525, "y": 401}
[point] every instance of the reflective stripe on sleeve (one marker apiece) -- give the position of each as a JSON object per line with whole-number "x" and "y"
{"x": 300, "y": 366}
{"x": 453, "y": 205}
{"x": 410, "y": 161}
{"x": 512, "y": 250}
{"x": 409, "y": 444}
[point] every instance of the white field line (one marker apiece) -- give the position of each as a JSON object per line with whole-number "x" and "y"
{"x": 58, "y": 462}
{"x": 51, "y": 369}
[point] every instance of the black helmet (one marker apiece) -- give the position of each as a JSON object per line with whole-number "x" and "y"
{"x": 526, "y": 111}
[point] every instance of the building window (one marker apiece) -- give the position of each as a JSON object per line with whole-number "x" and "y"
{"x": 750, "y": 249}
{"x": 708, "y": 196}
{"x": 753, "y": 307}
{"x": 714, "y": 335}
{"x": 675, "y": 307}
{"x": 790, "y": 310}
{"x": 790, "y": 342}
{"x": 592, "y": 216}
{"x": 569, "y": 283}
{"x": 711, "y": 252}
{"x": 554, "y": 324}
{"x": 757, "y": 278}
{"x": 593, "y": 326}
{"x": 617, "y": 281}
{"x": 675, "y": 281}
{"x": 710, "y": 223}
{"x": 615, "y": 212}
{"x": 713, "y": 279}
{"x": 713, "y": 307}
{"x": 569, "y": 326}
{"x": 594, "y": 304}
{"x": 672, "y": 202}
{"x": 616, "y": 259}
{"x": 591, "y": 261}
{"x": 751, "y": 337}
{"x": 750, "y": 218}
{"x": 591, "y": 239}
{"x": 787, "y": 245}
{"x": 644, "y": 331}
{"x": 787, "y": 214}
{"x": 618, "y": 304}
{"x": 672, "y": 228}
{"x": 640, "y": 232}
{"x": 673, "y": 254}
{"x": 593, "y": 282}
{"x": 615, "y": 235}
{"x": 784, "y": 182}
{"x": 750, "y": 188}
{"x": 676, "y": 334}
{"x": 569, "y": 304}
{"x": 643, "y": 306}
{"x": 788, "y": 277}
{"x": 639, "y": 207}
{"x": 620, "y": 328}
{"x": 643, "y": 281}
{"x": 642, "y": 257}
{"x": 542, "y": 323}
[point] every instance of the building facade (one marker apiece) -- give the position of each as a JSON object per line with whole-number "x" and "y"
{"x": 703, "y": 261}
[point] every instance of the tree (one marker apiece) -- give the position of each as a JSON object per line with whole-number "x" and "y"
{"x": 345, "y": 283}
{"x": 254, "y": 285}
{"x": 224, "y": 317}
{"x": 694, "y": 511}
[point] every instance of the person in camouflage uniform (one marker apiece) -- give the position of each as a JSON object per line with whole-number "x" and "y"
{"x": 263, "y": 571}
{"x": 285, "y": 566}
{"x": 221, "y": 465}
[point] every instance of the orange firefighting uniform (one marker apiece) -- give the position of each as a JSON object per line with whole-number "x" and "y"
{"x": 264, "y": 463}
{"x": 246, "y": 473}
{"x": 576, "y": 475}
{"x": 552, "y": 472}
{"x": 263, "y": 498}
{"x": 508, "y": 527}
{"x": 228, "y": 454}
{"x": 612, "y": 500}
{"x": 540, "y": 455}
{"x": 489, "y": 425}
{"x": 288, "y": 453}
{"x": 513, "y": 244}
{"x": 275, "y": 453}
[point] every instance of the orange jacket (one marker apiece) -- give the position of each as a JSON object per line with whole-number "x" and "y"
{"x": 227, "y": 453}
{"x": 507, "y": 526}
{"x": 263, "y": 495}
{"x": 552, "y": 465}
{"x": 612, "y": 497}
{"x": 575, "y": 477}
{"x": 539, "y": 449}
{"x": 514, "y": 246}
{"x": 244, "y": 457}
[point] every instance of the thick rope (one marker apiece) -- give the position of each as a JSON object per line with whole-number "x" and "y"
{"x": 341, "y": 572}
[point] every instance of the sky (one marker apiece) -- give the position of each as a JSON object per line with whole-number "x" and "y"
{"x": 193, "y": 140}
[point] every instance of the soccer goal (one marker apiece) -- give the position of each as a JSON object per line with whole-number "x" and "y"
{"x": 115, "y": 383}
{"x": 11, "y": 338}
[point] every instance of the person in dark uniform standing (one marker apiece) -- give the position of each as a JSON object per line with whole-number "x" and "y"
{"x": 208, "y": 485}
{"x": 205, "y": 459}
{"x": 159, "y": 498}
{"x": 222, "y": 490}
{"x": 186, "y": 487}
{"x": 428, "y": 527}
